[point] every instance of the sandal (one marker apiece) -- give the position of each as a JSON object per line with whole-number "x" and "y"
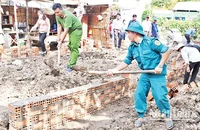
{"x": 169, "y": 124}
{"x": 138, "y": 123}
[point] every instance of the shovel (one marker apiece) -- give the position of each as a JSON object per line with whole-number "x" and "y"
{"x": 58, "y": 56}
{"x": 84, "y": 69}
{"x": 122, "y": 72}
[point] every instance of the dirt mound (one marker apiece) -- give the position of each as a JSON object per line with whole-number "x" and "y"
{"x": 31, "y": 77}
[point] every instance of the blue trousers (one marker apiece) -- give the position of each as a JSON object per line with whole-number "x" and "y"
{"x": 42, "y": 37}
{"x": 159, "y": 90}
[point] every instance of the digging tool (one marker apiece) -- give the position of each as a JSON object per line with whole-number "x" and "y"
{"x": 121, "y": 72}
{"x": 84, "y": 69}
{"x": 58, "y": 56}
{"x": 49, "y": 61}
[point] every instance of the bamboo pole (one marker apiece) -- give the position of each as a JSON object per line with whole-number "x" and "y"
{"x": 27, "y": 26}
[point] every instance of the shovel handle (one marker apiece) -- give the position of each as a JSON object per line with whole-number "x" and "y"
{"x": 122, "y": 72}
{"x": 58, "y": 55}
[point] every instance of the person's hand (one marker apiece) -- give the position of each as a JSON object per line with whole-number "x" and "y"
{"x": 187, "y": 67}
{"x": 158, "y": 69}
{"x": 47, "y": 34}
{"x": 59, "y": 44}
{"x": 110, "y": 72}
{"x": 183, "y": 64}
{"x": 58, "y": 39}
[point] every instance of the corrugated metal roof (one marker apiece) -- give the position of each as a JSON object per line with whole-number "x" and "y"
{"x": 187, "y": 6}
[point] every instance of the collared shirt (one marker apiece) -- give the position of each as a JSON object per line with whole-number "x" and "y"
{"x": 190, "y": 32}
{"x": 146, "y": 25}
{"x": 148, "y": 53}
{"x": 190, "y": 54}
{"x": 70, "y": 21}
{"x": 117, "y": 24}
{"x": 131, "y": 21}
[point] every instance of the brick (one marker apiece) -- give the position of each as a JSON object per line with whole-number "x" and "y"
{"x": 53, "y": 107}
{"x": 112, "y": 94}
{"x": 56, "y": 120}
{"x": 122, "y": 91}
{"x": 49, "y": 109}
{"x": 174, "y": 64}
{"x": 184, "y": 88}
{"x": 102, "y": 97}
{"x": 117, "y": 97}
{"x": 92, "y": 102}
{"x": 172, "y": 84}
{"x": 37, "y": 112}
{"x": 44, "y": 116}
{"x": 168, "y": 78}
{"x": 70, "y": 114}
{"x": 126, "y": 94}
{"x": 172, "y": 92}
{"x": 34, "y": 49}
{"x": 14, "y": 51}
{"x": 107, "y": 101}
{"x": 150, "y": 97}
{"x": 19, "y": 124}
{"x": 193, "y": 85}
{"x": 118, "y": 87}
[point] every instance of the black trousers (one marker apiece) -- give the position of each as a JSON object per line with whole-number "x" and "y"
{"x": 42, "y": 36}
{"x": 187, "y": 36}
{"x": 194, "y": 67}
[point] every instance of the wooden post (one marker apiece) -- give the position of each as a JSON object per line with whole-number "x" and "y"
{"x": 16, "y": 27}
{"x": 27, "y": 26}
{"x": 1, "y": 30}
{"x": 0, "y": 17}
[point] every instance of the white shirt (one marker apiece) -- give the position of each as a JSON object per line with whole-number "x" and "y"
{"x": 146, "y": 25}
{"x": 117, "y": 24}
{"x": 190, "y": 54}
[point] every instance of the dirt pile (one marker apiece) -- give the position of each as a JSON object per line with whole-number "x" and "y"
{"x": 24, "y": 78}
{"x": 31, "y": 77}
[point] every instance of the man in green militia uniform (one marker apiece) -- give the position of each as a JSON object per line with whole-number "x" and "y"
{"x": 71, "y": 25}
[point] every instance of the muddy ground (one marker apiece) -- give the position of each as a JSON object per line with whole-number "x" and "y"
{"x": 24, "y": 78}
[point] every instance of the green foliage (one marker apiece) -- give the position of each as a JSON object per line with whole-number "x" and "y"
{"x": 149, "y": 12}
{"x": 182, "y": 26}
{"x": 115, "y": 7}
{"x": 166, "y": 4}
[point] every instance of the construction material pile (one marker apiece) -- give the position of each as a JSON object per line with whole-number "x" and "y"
{"x": 185, "y": 111}
{"x": 24, "y": 78}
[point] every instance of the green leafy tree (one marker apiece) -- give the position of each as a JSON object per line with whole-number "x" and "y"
{"x": 182, "y": 26}
{"x": 145, "y": 12}
{"x": 167, "y": 4}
